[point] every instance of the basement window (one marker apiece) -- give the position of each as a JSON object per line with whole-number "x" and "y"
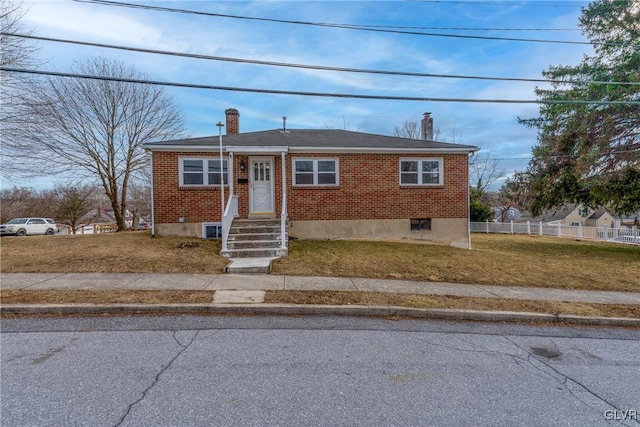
{"x": 421, "y": 224}
{"x": 212, "y": 230}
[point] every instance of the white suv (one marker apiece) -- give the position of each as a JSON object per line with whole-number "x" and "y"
{"x": 28, "y": 226}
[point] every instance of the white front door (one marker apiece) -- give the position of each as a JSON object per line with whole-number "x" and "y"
{"x": 261, "y": 185}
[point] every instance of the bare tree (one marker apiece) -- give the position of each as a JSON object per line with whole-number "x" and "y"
{"x": 16, "y": 202}
{"x": 139, "y": 200}
{"x": 25, "y": 202}
{"x": 413, "y": 130}
{"x": 484, "y": 173}
{"x": 14, "y": 52}
{"x": 346, "y": 125}
{"x": 73, "y": 203}
{"x": 410, "y": 129}
{"x": 98, "y": 126}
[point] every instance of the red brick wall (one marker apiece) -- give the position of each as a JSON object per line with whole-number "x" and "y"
{"x": 369, "y": 189}
{"x": 172, "y": 201}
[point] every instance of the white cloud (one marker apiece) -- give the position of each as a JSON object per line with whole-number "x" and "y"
{"x": 493, "y": 125}
{"x": 88, "y": 22}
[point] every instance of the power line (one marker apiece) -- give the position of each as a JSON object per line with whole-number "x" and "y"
{"x": 555, "y": 156}
{"x": 314, "y": 94}
{"x": 460, "y": 28}
{"x": 350, "y": 27}
{"x": 312, "y": 67}
{"x": 502, "y": 3}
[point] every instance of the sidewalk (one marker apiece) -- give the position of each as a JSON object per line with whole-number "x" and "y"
{"x": 265, "y": 282}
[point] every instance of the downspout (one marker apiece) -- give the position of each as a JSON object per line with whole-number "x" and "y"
{"x": 153, "y": 210}
{"x": 283, "y": 213}
{"x": 230, "y": 172}
{"x": 284, "y": 180}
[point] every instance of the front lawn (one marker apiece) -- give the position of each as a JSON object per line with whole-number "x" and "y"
{"x": 494, "y": 260}
{"x": 508, "y": 260}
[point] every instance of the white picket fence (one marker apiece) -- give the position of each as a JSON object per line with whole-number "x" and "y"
{"x": 623, "y": 234}
{"x": 89, "y": 229}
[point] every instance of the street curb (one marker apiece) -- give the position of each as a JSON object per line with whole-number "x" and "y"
{"x": 317, "y": 309}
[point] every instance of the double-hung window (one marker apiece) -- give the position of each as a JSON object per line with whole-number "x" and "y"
{"x": 315, "y": 172}
{"x": 202, "y": 171}
{"x": 421, "y": 172}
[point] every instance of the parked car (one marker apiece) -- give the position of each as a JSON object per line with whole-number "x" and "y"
{"x": 143, "y": 225}
{"x": 28, "y": 226}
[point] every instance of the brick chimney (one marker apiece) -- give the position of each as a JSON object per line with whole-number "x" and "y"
{"x": 233, "y": 121}
{"x": 427, "y": 127}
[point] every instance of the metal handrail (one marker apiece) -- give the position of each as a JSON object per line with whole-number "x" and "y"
{"x": 230, "y": 212}
{"x": 283, "y": 222}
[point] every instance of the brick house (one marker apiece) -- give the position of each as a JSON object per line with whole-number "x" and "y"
{"x": 312, "y": 184}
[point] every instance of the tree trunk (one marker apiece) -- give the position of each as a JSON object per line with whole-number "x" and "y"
{"x": 135, "y": 221}
{"x": 119, "y": 216}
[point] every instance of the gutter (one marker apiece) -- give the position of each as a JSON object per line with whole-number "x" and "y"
{"x": 311, "y": 149}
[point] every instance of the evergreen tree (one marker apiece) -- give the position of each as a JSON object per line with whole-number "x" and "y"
{"x": 589, "y": 153}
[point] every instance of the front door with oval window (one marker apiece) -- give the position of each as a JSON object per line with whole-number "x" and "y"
{"x": 261, "y": 185}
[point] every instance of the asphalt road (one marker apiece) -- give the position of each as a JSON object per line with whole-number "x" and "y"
{"x": 310, "y": 371}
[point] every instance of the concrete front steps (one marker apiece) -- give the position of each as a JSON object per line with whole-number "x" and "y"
{"x": 252, "y": 245}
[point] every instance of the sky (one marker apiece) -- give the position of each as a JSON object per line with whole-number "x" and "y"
{"x": 493, "y": 127}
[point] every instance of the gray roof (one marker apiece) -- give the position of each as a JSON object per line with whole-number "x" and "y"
{"x": 306, "y": 138}
{"x": 598, "y": 214}
{"x": 561, "y": 213}
{"x": 550, "y": 215}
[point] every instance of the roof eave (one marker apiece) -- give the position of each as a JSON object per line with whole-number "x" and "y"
{"x": 382, "y": 150}
{"x": 311, "y": 149}
{"x": 181, "y": 148}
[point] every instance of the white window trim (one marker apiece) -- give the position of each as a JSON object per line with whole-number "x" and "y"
{"x": 420, "y": 160}
{"x": 315, "y": 161}
{"x": 205, "y": 171}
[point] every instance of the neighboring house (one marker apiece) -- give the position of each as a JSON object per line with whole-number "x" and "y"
{"x": 574, "y": 215}
{"x": 628, "y": 221}
{"x": 327, "y": 184}
{"x": 506, "y": 214}
{"x": 100, "y": 219}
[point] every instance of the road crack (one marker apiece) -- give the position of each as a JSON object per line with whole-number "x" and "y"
{"x": 183, "y": 348}
{"x": 476, "y": 348}
{"x": 567, "y": 381}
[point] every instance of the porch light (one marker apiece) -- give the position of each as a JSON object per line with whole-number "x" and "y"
{"x": 242, "y": 165}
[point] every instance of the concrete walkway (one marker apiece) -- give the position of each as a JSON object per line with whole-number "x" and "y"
{"x": 264, "y": 282}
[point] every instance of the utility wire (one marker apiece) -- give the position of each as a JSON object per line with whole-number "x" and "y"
{"x": 460, "y": 28}
{"x": 550, "y": 156}
{"x": 516, "y": 3}
{"x": 504, "y": 3}
{"x": 315, "y": 94}
{"x": 312, "y": 67}
{"x": 350, "y": 27}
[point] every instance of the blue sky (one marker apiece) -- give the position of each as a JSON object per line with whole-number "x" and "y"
{"x": 493, "y": 127}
